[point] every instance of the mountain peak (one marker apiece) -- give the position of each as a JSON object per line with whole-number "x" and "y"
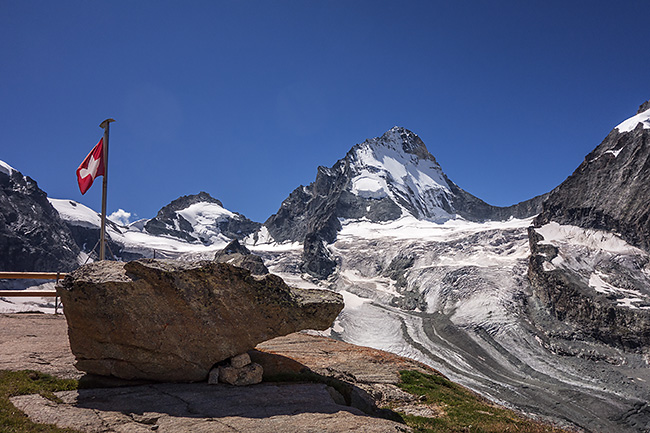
{"x": 408, "y": 141}
{"x": 381, "y": 179}
{"x": 644, "y": 107}
{"x": 188, "y": 200}
{"x": 200, "y": 217}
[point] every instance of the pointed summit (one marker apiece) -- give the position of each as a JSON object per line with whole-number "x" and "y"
{"x": 642, "y": 117}
{"x": 410, "y": 142}
{"x": 200, "y": 218}
{"x": 398, "y": 165}
{"x": 381, "y": 179}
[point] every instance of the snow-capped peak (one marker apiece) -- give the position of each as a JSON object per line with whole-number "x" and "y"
{"x": 399, "y": 166}
{"x": 408, "y": 141}
{"x": 631, "y": 123}
{"x": 200, "y": 218}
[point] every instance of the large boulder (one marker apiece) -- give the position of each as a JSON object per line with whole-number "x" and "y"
{"x": 173, "y": 321}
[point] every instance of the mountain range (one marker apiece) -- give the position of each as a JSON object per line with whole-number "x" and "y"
{"x": 543, "y": 306}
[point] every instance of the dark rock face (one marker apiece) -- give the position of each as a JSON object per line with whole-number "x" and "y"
{"x": 170, "y": 223}
{"x": 568, "y": 296}
{"x": 317, "y": 260}
{"x": 609, "y": 190}
{"x": 409, "y": 298}
{"x": 238, "y": 255}
{"x": 397, "y": 268}
{"x": 316, "y": 208}
{"x": 524, "y": 209}
{"x": 475, "y": 209}
{"x": 173, "y": 321}
{"x": 32, "y": 235}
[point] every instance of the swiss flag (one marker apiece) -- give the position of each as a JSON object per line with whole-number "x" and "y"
{"x": 91, "y": 167}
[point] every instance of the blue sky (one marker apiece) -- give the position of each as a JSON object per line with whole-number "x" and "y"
{"x": 245, "y": 99}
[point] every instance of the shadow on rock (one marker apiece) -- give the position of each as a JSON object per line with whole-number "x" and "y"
{"x": 289, "y": 388}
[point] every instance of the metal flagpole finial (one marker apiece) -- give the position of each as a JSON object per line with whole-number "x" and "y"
{"x": 105, "y": 123}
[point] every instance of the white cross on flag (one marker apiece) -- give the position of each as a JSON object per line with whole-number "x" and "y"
{"x": 91, "y": 167}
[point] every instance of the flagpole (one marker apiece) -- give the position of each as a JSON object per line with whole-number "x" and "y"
{"x": 102, "y": 236}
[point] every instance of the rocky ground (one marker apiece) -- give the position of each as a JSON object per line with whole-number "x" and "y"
{"x": 40, "y": 342}
{"x": 312, "y": 384}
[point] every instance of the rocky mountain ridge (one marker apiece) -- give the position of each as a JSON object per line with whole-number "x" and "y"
{"x": 32, "y": 235}
{"x": 381, "y": 180}
{"x": 610, "y": 189}
{"x": 192, "y": 223}
{"x": 201, "y": 218}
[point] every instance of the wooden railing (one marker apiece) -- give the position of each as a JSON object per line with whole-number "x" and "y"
{"x": 32, "y": 275}
{"x": 32, "y": 293}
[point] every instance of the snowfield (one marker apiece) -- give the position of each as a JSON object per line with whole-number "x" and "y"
{"x": 135, "y": 239}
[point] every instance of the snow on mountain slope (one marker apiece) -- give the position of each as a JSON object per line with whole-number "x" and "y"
{"x": 610, "y": 189}
{"x": 397, "y": 165}
{"x": 631, "y": 123}
{"x": 135, "y": 241}
{"x": 204, "y": 219}
{"x": 76, "y": 213}
{"x": 598, "y": 258}
{"x": 382, "y": 179}
{"x": 200, "y": 218}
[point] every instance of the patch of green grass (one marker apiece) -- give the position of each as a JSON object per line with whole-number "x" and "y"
{"x": 462, "y": 410}
{"x": 13, "y": 383}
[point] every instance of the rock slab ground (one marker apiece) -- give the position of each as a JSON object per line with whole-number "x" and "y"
{"x": 201, "y": 407}
{"x": 37, "y": 341}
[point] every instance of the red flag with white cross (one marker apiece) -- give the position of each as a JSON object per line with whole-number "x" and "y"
{"x": 91, "y": 167}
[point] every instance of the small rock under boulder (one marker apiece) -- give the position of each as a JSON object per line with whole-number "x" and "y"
{"x": 169, "y": 320}
{"x": 239, "y": 371}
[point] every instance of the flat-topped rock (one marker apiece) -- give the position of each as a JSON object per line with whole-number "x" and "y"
{"x": 172, "y": 321}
